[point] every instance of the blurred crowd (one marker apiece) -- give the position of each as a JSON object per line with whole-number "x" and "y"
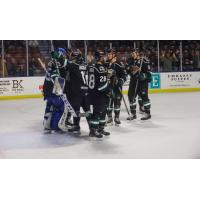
{"x": 17, "y": 62}
{"x": 21, "y": 57}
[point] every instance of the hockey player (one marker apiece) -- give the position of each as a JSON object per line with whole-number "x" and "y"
{"x": 77, "y": 89}
{"x": 98, "y": 87}
{"x": 139, "y": 70}
{"x": 53, "y": 88}
{"x": 117, "y": 77}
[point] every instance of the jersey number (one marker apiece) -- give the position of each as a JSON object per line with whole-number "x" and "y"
{"x": 84, "y": 77}
{"x": 103, "y": 78}
{"x": 91, "y": 81}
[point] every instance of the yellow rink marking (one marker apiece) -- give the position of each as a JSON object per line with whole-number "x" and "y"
{"x": 151, "y": 91}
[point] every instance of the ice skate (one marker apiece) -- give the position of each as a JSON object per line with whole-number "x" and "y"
{"x": 47, "y": 131}
{"x": 109, "y": 121}
{"x": 141, "y": 110}
{"x": 95, "y": 133}
{"x": 75, "y": 129}
{"x": 117, "y": 121}
{"x": 131, "y": 117}
{"x": 103, "y": 132}
{"x": 146, "y": 116}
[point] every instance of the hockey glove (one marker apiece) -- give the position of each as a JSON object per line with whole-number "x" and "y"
{"x": 108, "y": 92}
{"x": 143, "y": 76}
{"x": 120, "y": 83}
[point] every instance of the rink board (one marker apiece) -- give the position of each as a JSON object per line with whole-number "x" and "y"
{"x": 21, "y": 87}
{"x": 31, "y": 87}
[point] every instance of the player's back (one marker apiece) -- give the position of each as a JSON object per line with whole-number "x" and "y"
{"x": 78, "y": 75}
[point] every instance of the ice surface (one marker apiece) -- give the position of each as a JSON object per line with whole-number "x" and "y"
{"x": 173, "y": 132}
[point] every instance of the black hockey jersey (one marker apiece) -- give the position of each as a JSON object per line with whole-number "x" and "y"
{"x": 98, "y": 79}
{"x": 143, "y": 66}
{"x": 77, "y": 77}
{"x": 54, "y": 70}
{"x": 116, "y": 72}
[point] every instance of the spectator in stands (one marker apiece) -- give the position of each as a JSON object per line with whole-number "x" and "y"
{"x": 32, "y": 67}
{"x": 90, "y": 57}
{"x": 196, "y": 59}
{"x": 167, "y": 60}
{"x": 187, "y": 60}
{"x": 21, "y": 67}
{"x": 11, "y": 65}
{"x": 33, "y": 43}
{"x": 5, "y": 74}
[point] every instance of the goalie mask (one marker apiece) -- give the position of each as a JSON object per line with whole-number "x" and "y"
{"x": 60, "y": 56}
{"x": 59, "y": 53}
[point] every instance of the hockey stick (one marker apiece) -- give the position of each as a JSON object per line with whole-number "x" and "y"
{"x": 62, "y": 96}
{"x": 124, "y": 102}
{"x": 137, "y": 82}
{"x": 85, "y": 46}
{"x": 109, "y": 105}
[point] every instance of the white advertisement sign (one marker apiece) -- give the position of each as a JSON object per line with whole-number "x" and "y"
{"x": 180, "y": 80}
{"x": 33, "y": 85}
{"x": 21, "y": 86}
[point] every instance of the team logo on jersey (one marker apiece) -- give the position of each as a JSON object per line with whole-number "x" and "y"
{"x": 82, "y": 67}
{"x": 101, "y": 69}
{"x": 91, "y": 70}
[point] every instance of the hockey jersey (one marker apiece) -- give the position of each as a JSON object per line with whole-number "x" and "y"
{"x": 98, "y": 80}
{"x": 54, "y": 69}
{"x": 116, "y": 72}
{"x": 142, "y": 69}
{"x": 77, "y": 80}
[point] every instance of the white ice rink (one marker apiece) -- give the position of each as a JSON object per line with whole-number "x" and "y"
{"x": 173, "y": 132}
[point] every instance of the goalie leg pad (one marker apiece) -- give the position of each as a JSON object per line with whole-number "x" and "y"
{"x": 48, "y": 116}
{"x": 58, "y": 109}
{"x": 61, "y": 123}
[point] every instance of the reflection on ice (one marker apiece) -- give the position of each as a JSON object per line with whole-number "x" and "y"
{"x": 173, "y": 132}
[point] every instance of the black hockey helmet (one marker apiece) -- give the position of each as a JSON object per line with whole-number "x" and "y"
{"x": 98, "y": 54}
{"x": 75, "y": 53}
{"x": 111, "y": 50}
{"x": 136, "y": 50}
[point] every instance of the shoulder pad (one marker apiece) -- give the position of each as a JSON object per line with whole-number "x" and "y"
{"x": 75, "y": 63}
{"x": 50, "y": 63}
{"x": 118, "y": 64}
{"x": 145, "y": 59}
{"x": 102, "y": 68}
{"x": 91, "y": 69}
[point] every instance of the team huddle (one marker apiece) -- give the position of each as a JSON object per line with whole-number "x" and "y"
{"x": 72, "y": 83}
